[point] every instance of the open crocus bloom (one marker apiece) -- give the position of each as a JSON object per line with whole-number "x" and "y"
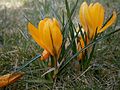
{"x": 48, "y": 36}
{"x": 7, "y": 79}
{"x": 92, "y": 18}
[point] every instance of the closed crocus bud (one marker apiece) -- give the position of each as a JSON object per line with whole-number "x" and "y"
{"x": 92, "y": 18}
{"x": 7, "y": 79}
{"x": 47, "y": 35}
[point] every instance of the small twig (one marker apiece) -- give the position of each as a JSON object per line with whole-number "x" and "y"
{"x": 50, "y": 70}
{"x": 83, "y": 73}
{"x": 22, "y": 33}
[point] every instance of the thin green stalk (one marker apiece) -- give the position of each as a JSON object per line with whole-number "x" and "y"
{"x": 69, "y": 14}
{"x": 33, "y": 59}
{"x": 55, "y": 66}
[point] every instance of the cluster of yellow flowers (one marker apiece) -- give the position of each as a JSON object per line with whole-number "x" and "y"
{"x": 48, "y": 34}
{"x": 49, "y": 37}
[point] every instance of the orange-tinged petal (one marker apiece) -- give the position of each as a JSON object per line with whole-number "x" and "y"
{"x": 36, "y": 35}
{"x": 93, "y": 16}
{"x": 82, "y": 15}
{"x": 88, "y": 18}
{"x": 7, "y": 79}
{"x": 46, "y": 37}
{"x": 42, "y": 23}
{"x": 56, "y": 22}
{"x": 97, "y": 14}
{"x": 96, "y": 8}
{"x": 45, "y": 55}
{"x": 85, "y": 19}
{"x": 101, "y": 17}
{"x": 97, "y": 17}
{"x": 80, "y": 45}
{"x": 56, "y": 37}
{"x": 4, "y": 80}
{"x": 91, "y": 4}
{"x": 110, "y": 22}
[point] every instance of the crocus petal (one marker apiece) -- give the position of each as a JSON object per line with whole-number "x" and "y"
{"x": 82, "y": 12}
{"x": 96, "y": 9}
{"x": 101, "y": 17}
{"x": 56, "y": 22}
{"x": 56, "y": 36}
{"x": 7, "y": 79}
{"x": 45, "y": 55}
{"x": 42, "y": 23}
{"x": 80, "y": 45}
{"x": 110, "y": 22}
{"x": 97, "y": 17}
{"x": 85, "y": 19}
{"x": 46, "y": 37}
{"x": 36, "y": 35}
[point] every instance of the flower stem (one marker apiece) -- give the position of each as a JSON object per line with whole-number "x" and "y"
{"x": 33, "y": 59}
{"x": 55, "y": 66}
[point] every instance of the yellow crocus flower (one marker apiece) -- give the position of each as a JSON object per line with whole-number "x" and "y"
{"x": 7, "y": 79}
{"x": 48, "y": 36}
{"x": 92, "y": 18}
